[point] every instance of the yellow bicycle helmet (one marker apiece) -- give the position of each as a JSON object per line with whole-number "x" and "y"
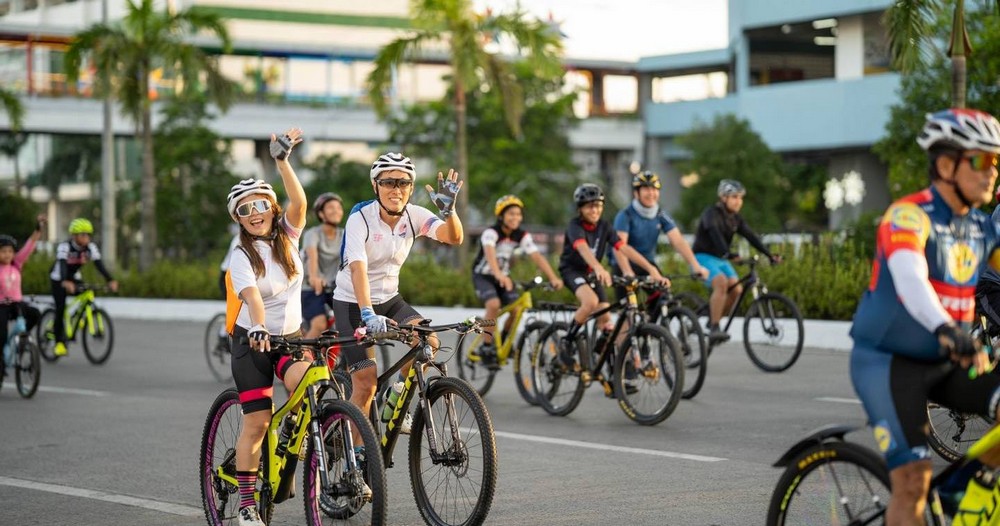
{"x": 81, "y": 226}
{"x": 507, "y": 201}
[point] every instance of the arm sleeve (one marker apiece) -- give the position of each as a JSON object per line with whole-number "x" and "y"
{"x": 241, "y": 272}
{"x": 294, "y": 233}
{"x": 621, "y": 222}
{"x": 744, "y": 229}
{"x": 425, "y": 221}
{"x": 910, "y": 277}
{"x": 23, "y": 254}
{"x": 95, "y": 254}
{"x": 528, "y": 244}
{"x": 489, "y": 238}
{"x": 712, "y": 218}
{"x": 62, "y": 252}
{"x": 355, "y": 232}
{"x": 575, "y": 234}
{"x": 667, "y": 223}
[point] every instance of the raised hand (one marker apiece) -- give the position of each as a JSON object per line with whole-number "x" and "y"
{"x": 447, "y": 192}
{"x": 282, "y": 146}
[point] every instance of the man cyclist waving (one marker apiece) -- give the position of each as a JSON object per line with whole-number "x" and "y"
{"x": 910, "y": 334}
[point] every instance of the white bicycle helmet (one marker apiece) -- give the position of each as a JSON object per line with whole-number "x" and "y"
{"x": 393, "y": 161}
{"x": 247, "y": 187}
{"x": 730, "y": 187}
{"x": 961, "y": 129}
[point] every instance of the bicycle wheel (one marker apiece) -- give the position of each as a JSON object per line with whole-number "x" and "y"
{"x": 773, "y": 333}
{"x": 220, "y": 498}
{"x": 217, "y": 351}
{"x": 45, "y": 335}
{"x": 471, "y": 367}
{"x": 557, "y": 389}
{"x": 455, "y": 484}
{"x": 99, "y": 338}
{"x": 952, "y": 432}
{"x": 698, "y": 304}
{"x": 27, "y": 366}
{"x": 527, "y": 345}
{"x": 341, "y": 501}
{"x": 831, "y": 483}
{"x": 649, "y": 378}
{"x": 683, "y": 324}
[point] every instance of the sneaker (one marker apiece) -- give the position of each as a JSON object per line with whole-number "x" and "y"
{"x": 249, "y": 517}
{"x": 60, "y": 349}
{"x": 359, "y": 453}
{"x": 487, "y": 353}
{"x": 567, "y": 353}
{"x": 407, "y": 424}
{"x": 716, "y": 335}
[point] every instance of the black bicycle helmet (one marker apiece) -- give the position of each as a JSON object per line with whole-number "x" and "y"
{"x": 8, "y": 241}
{"x": 322, "y": 200}
{"x": 587, "y": 193}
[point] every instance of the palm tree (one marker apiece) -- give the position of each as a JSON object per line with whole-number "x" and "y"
{"x": 14, "y": 109}
{"x": 467, "y": 37}
{"x": 908, "y": 23}
{"x": 125, "y": 53}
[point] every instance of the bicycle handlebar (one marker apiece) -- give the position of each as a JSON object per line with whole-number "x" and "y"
{"x": 405, "y": 333}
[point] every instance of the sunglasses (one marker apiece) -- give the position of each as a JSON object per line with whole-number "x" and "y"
{"x": 404, "y": 184}
{"x": 981, "y": 161}
{"x": 261, "y": 205}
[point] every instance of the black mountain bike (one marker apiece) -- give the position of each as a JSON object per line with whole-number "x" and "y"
{"x": 668, "y": 310}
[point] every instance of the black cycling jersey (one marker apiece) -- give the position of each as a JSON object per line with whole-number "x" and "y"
{"x": 70, "y": 257}
{"x": 716, "y": 228}
{"x": 599, "y": 237}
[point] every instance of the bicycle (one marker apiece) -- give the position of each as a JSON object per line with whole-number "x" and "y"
{"x": 646, "y": 370}
{"x": 82, "y": 316}
{"x": 852, "y": 484}
{"x": 455, "y": 423}
{"x": 21, "y": 352}
{"x": 668, "y": 310}
{"x": 321, "y": 436}
{"x": 480, "y": 371}
{"x": 766, "y": 324}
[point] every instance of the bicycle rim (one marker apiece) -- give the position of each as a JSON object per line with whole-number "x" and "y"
{"x": 952, "y": 432}
{"x": 341, "y": 503}
{"x": 220, "y": 499}
{"x": 528, "y": 343}
{"x": 471, "y": 367}
{"x": 836, "y": 483}
{"x": 27, "y": 367}
{"x": 683, "y": 325}
{"x": 458, "y": 488}
{"x": 45, "y": 335}
{"x": 217, "y": 351}
{"x": 773, "y": 333}
{"x": 557, "y": 389}
{"x": 649, "y": 378}
{"x": 99, "y": 338}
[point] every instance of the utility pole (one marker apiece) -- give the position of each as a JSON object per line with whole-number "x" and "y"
{"x": 109, "y": 215}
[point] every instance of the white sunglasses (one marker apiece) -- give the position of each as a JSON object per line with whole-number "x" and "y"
{"x": 244, "y": 210}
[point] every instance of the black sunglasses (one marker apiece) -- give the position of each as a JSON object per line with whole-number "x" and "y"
{"x": 405, "y": 184}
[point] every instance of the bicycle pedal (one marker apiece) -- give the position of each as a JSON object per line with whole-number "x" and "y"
{"x": 586, "y": 378}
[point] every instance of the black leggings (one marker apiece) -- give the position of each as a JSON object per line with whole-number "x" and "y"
{"x": 59, "y": 323}
{"x": 9, "y": 311}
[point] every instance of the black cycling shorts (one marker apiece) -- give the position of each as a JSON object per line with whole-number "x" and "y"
{"x": 254, "y": 371}
{"x": 487, "y": 288}
{"x": 574, "y": 279}
{"x": 348, "y": 316}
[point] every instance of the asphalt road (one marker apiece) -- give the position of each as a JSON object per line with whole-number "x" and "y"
{"x": 118, "y": 444}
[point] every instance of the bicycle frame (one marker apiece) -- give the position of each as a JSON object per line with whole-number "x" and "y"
{"x": 751, "y": 285}
{"x": 419, "y": 355}
{"x": 82, "y": 312}
{"x": 631, "y": 313}
{"x": 504, "y": 339}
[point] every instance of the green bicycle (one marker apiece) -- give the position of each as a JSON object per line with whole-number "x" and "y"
{"x": 320, "y": 435}
{"x": 83, "y": 316}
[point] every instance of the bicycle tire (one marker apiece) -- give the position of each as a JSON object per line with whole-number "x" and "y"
{"x": 820, "y": 466}
{"x": 769, "y": 318}
{"x": 217, "y": 351}
{"x": 45, "y": 335}
{"x": 478, "y": 375}
{"x": 683, "y": 324}
{"x": 220, "y": 500}
{"x": 530, "y": 339}
{"x": 461, "y": 479}
{"x": 104, "y": 335}
{"x": 697, "y": 303}
{"x": 322, "y": 509}
{"x": 952, "y": 432}
{"x": 556, "y": 389}
{"x": 27, "y": 366}
{"x": 641, "y": 397}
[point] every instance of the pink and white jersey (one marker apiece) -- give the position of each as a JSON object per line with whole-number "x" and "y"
{"x": 282, "y": 303}
{"x": 10, "y": 275}
{"x": 367, "y": 238}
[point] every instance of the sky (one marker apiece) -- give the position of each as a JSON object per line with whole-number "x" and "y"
{"x": 630, "y": 29}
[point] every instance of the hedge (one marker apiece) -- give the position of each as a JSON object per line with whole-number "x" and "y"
{"x": 825, "y": 279}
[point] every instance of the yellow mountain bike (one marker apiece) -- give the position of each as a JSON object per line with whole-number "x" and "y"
{"x": 83, "y": 316}
{"x": 320, "y": 435}
{"x": 479, "y": 369}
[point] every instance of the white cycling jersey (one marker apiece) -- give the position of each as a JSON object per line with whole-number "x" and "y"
{"x": 367, "y": 238}
{"x": 281, "y": 296}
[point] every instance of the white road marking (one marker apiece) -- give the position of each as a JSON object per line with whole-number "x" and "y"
{"x": 606, "y": 447}
{"x": 836, "y": 400}
{"x": 61, "y": 390}
{"x": 166, "y": 507}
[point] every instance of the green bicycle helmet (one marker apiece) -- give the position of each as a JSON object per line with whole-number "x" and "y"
{"x": 81, "y": 226}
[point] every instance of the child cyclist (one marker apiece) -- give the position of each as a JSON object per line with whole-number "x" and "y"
{"x": 65, "y": 273}
{"x": 585, "y": 245}
{"x": 11, "y": 300}
{"x": 491, "y": 269}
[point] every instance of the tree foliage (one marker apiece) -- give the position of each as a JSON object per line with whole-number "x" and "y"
{"x": 348, "y": 179}
{"x": 926, "y": 89}
{"x": 12, "y": 106}
{"x": 74, "y": 159}
{"x": 538, "y": 168}
{"x": 730, "y": 149}
{"x": 17, "y": 215}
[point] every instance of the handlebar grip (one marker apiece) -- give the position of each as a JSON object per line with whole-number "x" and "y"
{"x": 486, "y": 323}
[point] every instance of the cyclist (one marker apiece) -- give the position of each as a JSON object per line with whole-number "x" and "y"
{"x": 266, "y": 274}
{"x": 585, "y": 244}
{"x": 321, "y": 259}
{"x": 491, "y": 268}
{"x": 11, "y": 299}
{"x": 71, "y": 255}
{"x": 712, "y": 240}
{"x": 641, "y": 223}
{"x": 910, "y": 330}
{"x": 378, "y": 236}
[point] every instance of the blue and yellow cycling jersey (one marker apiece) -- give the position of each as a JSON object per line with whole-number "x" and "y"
{"x": 956, "y": 248}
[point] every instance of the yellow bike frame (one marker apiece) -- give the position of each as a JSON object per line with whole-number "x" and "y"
{"x": 515, "y": 310}
{"x": 85, "y": 301}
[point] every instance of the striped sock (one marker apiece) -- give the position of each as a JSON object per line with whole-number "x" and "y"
{"x": 247, "y": 480}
